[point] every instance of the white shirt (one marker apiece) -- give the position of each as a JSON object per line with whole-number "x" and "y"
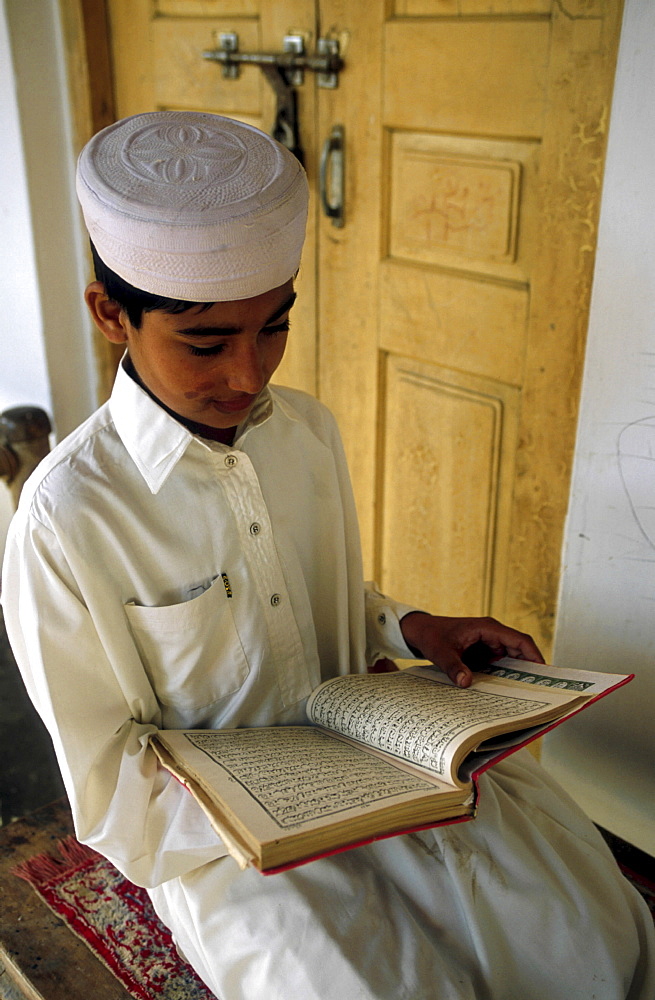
{"x": 153, "y": 579}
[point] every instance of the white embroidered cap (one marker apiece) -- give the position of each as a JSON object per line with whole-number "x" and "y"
{"x": 193, "y": 206}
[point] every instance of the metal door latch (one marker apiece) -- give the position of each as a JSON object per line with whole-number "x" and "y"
{"x": 284, "y": 71}
{"x": 293, "y": 61}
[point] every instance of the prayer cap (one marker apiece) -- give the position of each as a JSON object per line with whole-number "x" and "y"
{"x": 193, "y": 206}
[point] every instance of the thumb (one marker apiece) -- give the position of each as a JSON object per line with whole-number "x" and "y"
{"x": 454, "y": 668}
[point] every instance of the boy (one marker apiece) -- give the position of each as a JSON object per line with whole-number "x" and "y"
{"x": 189, "y": 558}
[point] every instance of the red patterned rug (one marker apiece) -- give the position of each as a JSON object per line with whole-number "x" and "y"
{"x": 116, "y": 920}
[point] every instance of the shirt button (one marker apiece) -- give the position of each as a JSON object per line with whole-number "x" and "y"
{"x": 382, "y": 619}
{"x": 275, "y": 600}
{"x": 255, "y": 528}
{"x": 231, "y": 460}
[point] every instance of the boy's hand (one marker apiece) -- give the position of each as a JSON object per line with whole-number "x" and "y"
{"x": 456, "y": 644}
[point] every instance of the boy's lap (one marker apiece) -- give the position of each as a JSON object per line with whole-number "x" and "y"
{"x": 337, "y": 928}
{"x": 512, "y": 901}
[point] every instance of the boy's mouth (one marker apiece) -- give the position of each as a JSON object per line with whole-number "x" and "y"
{"x": 233, "y": 405}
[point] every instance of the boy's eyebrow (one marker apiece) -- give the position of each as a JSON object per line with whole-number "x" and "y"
{"x": 224, "y": 331}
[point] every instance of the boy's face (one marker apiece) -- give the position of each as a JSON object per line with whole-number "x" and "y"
{"x": 209, "y": 366}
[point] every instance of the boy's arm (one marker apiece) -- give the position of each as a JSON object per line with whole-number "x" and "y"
{"x": 99, "y": 717}
{"x": 454, "y": 645}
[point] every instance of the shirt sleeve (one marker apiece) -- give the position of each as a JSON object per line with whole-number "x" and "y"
{"x": 124, "y": 804}
{"x": 384, "y": 637}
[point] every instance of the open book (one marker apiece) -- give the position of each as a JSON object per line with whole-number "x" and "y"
{"x": 384, "y": 754}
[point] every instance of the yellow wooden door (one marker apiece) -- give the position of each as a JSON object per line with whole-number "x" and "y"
{"x": 445, "y": 322}
{"x": 453, "y": 304}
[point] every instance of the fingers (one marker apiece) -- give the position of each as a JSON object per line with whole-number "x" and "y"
{"x": 458, "y": 645}
{"x": 505, "y": 641}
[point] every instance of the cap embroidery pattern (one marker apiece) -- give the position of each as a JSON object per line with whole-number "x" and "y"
{"x": 179, "y": 154}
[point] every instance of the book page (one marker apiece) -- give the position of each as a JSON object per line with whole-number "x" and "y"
{"x": 423, "y": 719}
{"x": 296, "y": 774}
{"x": 587, "y": 682}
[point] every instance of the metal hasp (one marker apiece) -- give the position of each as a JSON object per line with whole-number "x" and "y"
{"x": 284, "y": 71}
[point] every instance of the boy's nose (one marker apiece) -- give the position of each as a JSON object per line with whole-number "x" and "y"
{"x": 247, "y": 371}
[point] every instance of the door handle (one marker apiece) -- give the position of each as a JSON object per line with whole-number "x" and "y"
{"x": 332, "y": 176}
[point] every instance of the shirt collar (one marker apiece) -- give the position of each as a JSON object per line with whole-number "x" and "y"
{"x": 155, "y": 440}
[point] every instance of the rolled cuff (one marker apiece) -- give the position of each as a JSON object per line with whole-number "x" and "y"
{"x": 384, "y": 636}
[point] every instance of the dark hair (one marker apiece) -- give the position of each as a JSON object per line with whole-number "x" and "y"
{"x": 134, "y": 300}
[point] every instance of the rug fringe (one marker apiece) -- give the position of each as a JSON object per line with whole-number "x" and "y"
{"x": 40, "y": 869}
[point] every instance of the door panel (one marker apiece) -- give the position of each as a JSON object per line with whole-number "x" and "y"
{"x": 461, "y": 448}
{"x": 482, "y": 77}
{"x": 453, "y": 320}
{"x": 459, "y": 203}
{"x": 433, "y": 7}
{"x": 207, "y": 8}
{"x": 184, "y": 80}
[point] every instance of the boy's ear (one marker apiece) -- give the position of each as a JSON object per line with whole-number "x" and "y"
{"x": 108, "y": 316}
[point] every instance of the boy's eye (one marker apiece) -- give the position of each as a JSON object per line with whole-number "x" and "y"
{"x": 205, "y": 352}
{"x": 280, "y": 328}
{"x": 208, "y": 352}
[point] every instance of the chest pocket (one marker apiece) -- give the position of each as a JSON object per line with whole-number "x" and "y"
{"x": 191, "y": 651}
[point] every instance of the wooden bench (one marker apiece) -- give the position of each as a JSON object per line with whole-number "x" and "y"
{"x": 43, "y": 958}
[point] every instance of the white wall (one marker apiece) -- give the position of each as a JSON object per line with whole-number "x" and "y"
{"x": 45, "y": 343}
{"x": 606, "y": 616}
{"x": 22, "y": 361}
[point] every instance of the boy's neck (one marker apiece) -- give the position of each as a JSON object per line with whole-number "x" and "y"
{"x": 224, "y": 435}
